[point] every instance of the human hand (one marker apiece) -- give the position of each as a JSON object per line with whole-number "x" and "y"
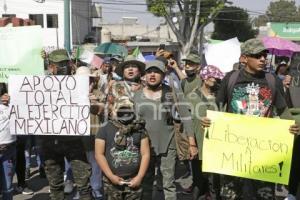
{"x": 287, "y": 81}
{"x": 93, "y": 97}
{"x": 205, "y": 122}
{"x": 135, "y": 182}
{"x": 172, "y": 63}
{"x": 294, "y": 129}
{"x": 116, "y": 180}
{"x": 159, "y": 52}
{"x": 5, "y": 99}
{"x": 193, "y": 151}
{"x": 43, "y": 54}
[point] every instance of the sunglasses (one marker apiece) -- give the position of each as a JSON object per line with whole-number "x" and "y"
{"x": 259, "y": 55}
{"x": 190, "y": 63}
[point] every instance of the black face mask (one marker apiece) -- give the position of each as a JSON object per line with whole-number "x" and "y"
{"x": 125, "y": 117}
{"x": 63, "y": 70}
{"x": 190, "y": 73}
{"x": 135, "y": 79}
{"x": 216, "y": 86}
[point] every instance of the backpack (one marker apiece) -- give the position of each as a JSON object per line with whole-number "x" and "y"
{"x": 181, "y": 139}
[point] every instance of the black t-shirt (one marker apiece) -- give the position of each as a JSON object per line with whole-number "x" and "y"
{"x": 123, "y": 162}
{"x": 251, "y": 95}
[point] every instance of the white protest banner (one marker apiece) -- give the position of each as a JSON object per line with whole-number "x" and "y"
{"x": 224, "y": 54}
{"x": 49, "y": 105}
{"x": 20, "y": 51}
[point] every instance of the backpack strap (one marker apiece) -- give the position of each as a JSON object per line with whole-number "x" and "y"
{"x": 272, "y": 84}
{"x": 231, "y": 82}
{"x": 183, "y": 83}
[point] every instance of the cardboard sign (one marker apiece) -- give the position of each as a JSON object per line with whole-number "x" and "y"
{"x": 49, "y": 105}
{"x": 20, "y": 51}
{"x": 247, "y": 146}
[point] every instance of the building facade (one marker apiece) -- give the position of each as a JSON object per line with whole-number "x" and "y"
{"x": 49, "y": 14}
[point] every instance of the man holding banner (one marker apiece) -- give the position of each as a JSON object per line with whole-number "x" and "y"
{"x": 7, "y": 147}
{"x": 251, "y": 91}
{"x": 55, "y": 148}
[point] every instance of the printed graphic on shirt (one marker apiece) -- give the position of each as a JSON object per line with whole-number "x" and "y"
{"x": 252, "y": 100}
{"x": 127, "y": 156}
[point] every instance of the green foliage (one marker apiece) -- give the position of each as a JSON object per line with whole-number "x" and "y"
{"x": 261, "y": 20}
{"x": 186, "y": 30}
{"x": 159, "y": 7}
{"x": 283, "y": 11}
{"x": 233, "y": 22}
{"x": 162, "y": 7}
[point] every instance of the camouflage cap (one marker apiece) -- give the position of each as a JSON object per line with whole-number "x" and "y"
{"x": 252, "y": 46}
{"x": 123, "y": 102}
{"x": 58, "y": 55}
{"x": 193, "y": 58}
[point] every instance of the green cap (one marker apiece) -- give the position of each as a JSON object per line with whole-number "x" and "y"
{"x": 193, "y": 58}
{"x": 58, "y": 55}
{"x": 155, "y": 64}
{"x": 252, "y": 46}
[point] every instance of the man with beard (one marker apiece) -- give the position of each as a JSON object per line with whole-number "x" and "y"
{"x": 191, "y": 68}
{"x": 154, "y": 104}
{"x": 55, "y": 148}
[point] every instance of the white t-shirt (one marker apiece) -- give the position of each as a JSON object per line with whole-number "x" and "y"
{"x": 5, "y": 136}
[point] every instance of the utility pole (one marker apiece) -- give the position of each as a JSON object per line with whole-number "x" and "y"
{"x": 67, "y": 42}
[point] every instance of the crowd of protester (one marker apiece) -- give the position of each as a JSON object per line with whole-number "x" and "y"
{"x": 133, "y": 141}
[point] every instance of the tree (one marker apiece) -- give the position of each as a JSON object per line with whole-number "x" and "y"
{"x": 192, "y": 16}
{"x": 233, "y": 22}
{"x": 261, "y": 20}
{"x": 283, "y": 11}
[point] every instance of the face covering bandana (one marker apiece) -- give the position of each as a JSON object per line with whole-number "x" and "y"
{"x": 216, "y": 86}
{"x": 154, "y": 87}
{"x": 125, "y": 117}
{"x": 190, "y": 73}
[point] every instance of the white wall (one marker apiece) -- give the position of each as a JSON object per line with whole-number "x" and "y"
{"x": 122, "y": 31}
{"x": 22, "y": 9}
{"x": 52, "y": 36}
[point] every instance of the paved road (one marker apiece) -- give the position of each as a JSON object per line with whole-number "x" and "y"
{"x": 41, "y": 188}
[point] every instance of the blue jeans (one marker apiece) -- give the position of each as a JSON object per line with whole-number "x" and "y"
{"x": 30, "y": 144}
{"x": 68, "y": 170}
{"x": 96, "y": 177}
{"x": 7, "y": 170}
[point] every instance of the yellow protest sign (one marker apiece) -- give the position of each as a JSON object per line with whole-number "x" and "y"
{"x": 247, "y": 146}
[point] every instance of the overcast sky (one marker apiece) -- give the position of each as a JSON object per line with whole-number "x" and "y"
{"x": 113, "y": 13}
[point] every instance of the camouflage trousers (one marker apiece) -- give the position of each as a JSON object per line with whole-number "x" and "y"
{"x": 234, "y": 188}
{"x": 116, "y": 192}
{"x": 166, "y": 164}
{"x": 54, "y": 153}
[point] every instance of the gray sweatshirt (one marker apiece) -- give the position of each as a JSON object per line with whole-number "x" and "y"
{"x": 161, "y": 134}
